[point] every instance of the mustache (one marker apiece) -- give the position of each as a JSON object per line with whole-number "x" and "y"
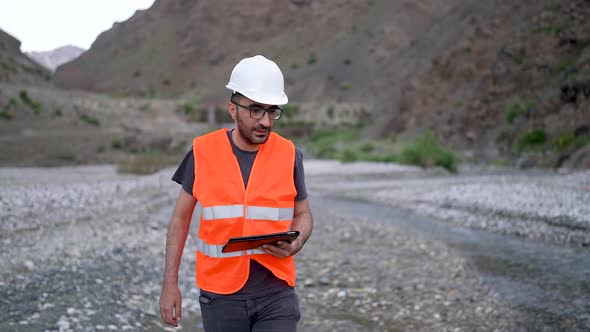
{"x": 261, "y": 127}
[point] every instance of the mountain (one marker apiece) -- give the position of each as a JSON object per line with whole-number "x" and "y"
{"x": 15, "y": 67}
{"x": 54, "y": 58}
{"x": 484, "y": 76}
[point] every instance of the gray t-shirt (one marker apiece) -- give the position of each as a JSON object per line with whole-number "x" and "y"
{"x": 261, "y": 280}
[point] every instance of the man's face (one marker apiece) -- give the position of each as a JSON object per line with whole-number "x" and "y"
{"x": 252, "y": 131}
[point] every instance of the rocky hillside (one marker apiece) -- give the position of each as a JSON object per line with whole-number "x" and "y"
{"x": 495, "y": 79}
{"x": 15, "y": 67}
{"x": 54, "y": 58}
{"x": 511, "y": 87}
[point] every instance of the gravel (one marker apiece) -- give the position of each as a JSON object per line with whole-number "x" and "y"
{"x": 82, "y": 248}
{"x": 548, "y": 206}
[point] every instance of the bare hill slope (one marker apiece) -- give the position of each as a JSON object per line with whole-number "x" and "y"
{"x": 494, "y": 79}
{"x": 15, "y": 67}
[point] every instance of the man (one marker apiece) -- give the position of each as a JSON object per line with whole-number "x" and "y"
{"x": 249, "y": 181}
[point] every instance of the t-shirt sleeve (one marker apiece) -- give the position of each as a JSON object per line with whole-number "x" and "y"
{"x": 299, "y": 177}
{"x": 185, "y": 173}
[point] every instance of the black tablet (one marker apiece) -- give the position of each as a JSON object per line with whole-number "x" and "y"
{"x": 255, "y": 241}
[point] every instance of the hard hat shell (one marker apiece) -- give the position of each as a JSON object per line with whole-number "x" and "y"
{"x": 260, "y": 80}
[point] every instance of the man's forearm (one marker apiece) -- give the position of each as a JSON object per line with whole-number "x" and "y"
{"x": 175, "y": 241}
{"x": 304, "y": 224}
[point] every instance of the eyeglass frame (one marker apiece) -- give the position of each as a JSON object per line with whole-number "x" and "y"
{"x": 273, "y": 108}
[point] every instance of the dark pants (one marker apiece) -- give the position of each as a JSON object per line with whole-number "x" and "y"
{"x": 275, "y": 312}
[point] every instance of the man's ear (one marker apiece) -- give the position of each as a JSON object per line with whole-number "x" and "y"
{"x": 231, "y": 108}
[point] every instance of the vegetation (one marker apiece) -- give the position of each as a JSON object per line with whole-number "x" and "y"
{"x": 569, "y": 139}
{"x": 290, "y": 110}
{"x": 516, "y": 110}
{"x": 189, "y": 107}
{"x": 530, "y": 141}
{"x": 66, "y": 157}
{"x": 57, "y": 113}
{"x": 345, "y": 86}
{"x": 344, "y": 144}
{"x": 89, "y": 120}
{"x": 33, "y": 105}
{"x": 426, "y": 151}
{"x": 116, "y": 144}
{"x": 549, "y": 29}
{"x": 147, "y": 163}
{"x": 312, "y": 58}
{"x": 330, "y": 111}
{"x": 5, "y": 115}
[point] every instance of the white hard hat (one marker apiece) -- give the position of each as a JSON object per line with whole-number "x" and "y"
{"x": 260, "y": 80}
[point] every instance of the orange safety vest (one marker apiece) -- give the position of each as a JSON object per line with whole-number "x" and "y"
{"x": 229, "y": 209}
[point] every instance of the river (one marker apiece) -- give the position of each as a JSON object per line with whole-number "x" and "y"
{"x": 548, "y": 283}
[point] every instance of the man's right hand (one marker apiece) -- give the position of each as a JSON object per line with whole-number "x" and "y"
{"x": 171, "y": 304}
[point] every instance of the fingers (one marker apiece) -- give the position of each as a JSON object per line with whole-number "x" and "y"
{"x": 171, "y": 313}
{"x": 178, "y": 312}
{"x": 282, "y": 249}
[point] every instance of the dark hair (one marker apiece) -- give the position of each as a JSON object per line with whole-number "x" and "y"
{"x": 235, "y": 97}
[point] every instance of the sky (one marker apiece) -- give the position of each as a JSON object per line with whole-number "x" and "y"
{"x": 43, "y": 25}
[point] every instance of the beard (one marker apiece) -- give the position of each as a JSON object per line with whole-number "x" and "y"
{"x": 257, "y": 134}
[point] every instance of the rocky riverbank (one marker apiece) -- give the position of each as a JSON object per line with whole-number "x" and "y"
{"x": 83, "y": 250}
{"x": 538, "y": 204}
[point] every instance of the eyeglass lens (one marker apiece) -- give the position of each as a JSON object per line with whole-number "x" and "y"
{"x": 257, "y": 112}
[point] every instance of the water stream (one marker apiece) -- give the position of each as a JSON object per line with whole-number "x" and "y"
{"x": 548, "y": 283}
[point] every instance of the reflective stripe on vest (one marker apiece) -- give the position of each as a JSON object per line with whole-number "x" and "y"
{"x": 222, "y": 211}
{"x": 252, "y": 212}
{"x": 214, "y": 250}
{"x": 268, "y": 213}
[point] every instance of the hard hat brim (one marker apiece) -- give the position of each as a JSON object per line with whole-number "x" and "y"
{"x": 260, "y": 98}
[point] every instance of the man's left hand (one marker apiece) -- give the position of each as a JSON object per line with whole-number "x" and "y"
{"x": 283, "y": 248}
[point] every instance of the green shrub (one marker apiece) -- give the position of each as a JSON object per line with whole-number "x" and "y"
{"x": 191, "y": 105}
{"x": 312, "y": 59}
{"x": 66, "y": 157}
{"x": 426, "y": 151}
{"x": 568, "y": 139}
{"x": 89, "y": 120}
{"x": 146, "y": 163}
{"x": 116, "y": 144}
{"x": 57, "y": 113}
{"x": 514, "y": 111}
{"x": 330, "y": 111}
{"x": 349, "y": 155}
{"x": 324, "y": 142}
{"x": 531, "y": 140}
{"x": 35, "y": 106}
{"x": 549, "y": 29}
{"x": 367, "y": 147}
{"x": 24, "y": 97}
{"x": 290, "y": 110}
{"x": 345, "y": 86}
{"x": 6, "y": 115}
{"x": 343, "y": 144}
{"x": 563, "y": 141}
